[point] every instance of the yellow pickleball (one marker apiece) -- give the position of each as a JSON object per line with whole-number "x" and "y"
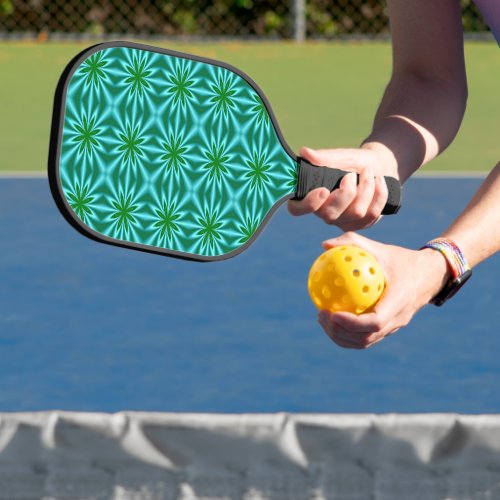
{"x": 346, "y": 278}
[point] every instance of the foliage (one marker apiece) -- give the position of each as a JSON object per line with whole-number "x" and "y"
{"x": 240, "y": 18}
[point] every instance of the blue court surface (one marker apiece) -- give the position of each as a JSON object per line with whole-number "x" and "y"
{"x": 91, "y": 327}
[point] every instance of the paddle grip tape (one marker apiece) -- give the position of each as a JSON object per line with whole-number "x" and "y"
{"x": 312, "y": 177}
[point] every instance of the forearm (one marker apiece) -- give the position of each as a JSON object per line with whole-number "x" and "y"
{"x": 477, "y": 230}
{"x": 424, "y": 103}
{"x": 416, "y": 120}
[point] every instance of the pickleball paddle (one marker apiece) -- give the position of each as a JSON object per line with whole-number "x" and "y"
{"x": 172, "y": 153}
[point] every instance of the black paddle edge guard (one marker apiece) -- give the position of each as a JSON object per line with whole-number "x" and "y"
{"x": 56, "y": 131}
{"x": 312, "y": 177}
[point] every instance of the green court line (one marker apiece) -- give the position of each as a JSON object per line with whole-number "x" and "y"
{"x": 450, "y": 174}
{"x": 323, "y": 94}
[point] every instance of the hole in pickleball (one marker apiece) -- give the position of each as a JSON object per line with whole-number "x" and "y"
{"x": 339, "y": 281}
{"x": 331, "y": 268}
{"x": 327, "y": 293}
{"x": 366, "y": 289}
{"x": 348, "y": 258}
{"x": 317, "y": 276}
{"x": 336, "y": 306}
{"x": 356, "y": 273}
{"x": 317, "y": 300}
{"x": 379, "y": 287}
{"x": 372, "y": 270}
{"x": 360, "y": 309}
{"x": 346, "y": 299}
{"x": 362, "y": 254}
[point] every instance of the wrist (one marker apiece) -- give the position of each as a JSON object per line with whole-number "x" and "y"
{"x": 457, "y": 266}
{"x": 437, "y": 272}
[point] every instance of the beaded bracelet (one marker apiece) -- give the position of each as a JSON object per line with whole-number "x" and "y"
{"x": 452, "y": 254}
{"x": 460, "y": 269}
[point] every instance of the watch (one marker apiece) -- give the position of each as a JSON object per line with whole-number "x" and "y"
{"x": 460, "y": 270}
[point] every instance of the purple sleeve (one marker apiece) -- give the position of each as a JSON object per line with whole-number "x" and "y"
{"x": 490, "y": 9}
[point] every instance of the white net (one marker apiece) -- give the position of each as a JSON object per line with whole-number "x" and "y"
{"x": 155, "y": 456}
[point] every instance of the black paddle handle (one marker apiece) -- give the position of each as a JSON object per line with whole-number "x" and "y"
{"x": 312, "y": 177}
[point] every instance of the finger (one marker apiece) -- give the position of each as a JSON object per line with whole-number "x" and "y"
{"x": 365, "y": 191}
{"x": 311, "y": 203}
{"x": 393, "y": 332}
{"x": 338, "y": 334}
{"x": 338, "y": 201}
{"x": 380, "y": 196}
{"x": 378, "y": 250}
{"x": 341, "y": 340}
{"x": 353, "y": 341}
{"x": 348, "y": 238}
{"x": 362, "y": 324}
{"x": 362, "y": 340}
{"x": 347, "y": 338}
{"x": 382, "y": 320}
{"x": 375, "y": 339}
{"x": 372, "y": 343}
{"x": 366, "y": 209}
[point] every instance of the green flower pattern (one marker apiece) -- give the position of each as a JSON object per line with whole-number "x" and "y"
{"x": 130, "y": 144}
{"x": 216, "y": 160}
{"x": 258, "y": 171}
{"x": 223, "y": 95}
{"x": 247, "y": 229}
{"x": 93, "y": 68}
{"x": 167, "y": 220}
{"x": 87, "y": 132}
{"x": 81, "y": 200}
{"x": 174, "y": 150}
{"x": 209, "y": 230}
{"x": 259, "y": 109}
{"x": 138, "y": 75}
{"x": 180, "y": 85}
{"x": 123, "y": 213}
{"x": 170, "y": 153}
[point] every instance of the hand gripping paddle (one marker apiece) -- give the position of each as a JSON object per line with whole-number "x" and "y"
{"x": 172, "y": 153}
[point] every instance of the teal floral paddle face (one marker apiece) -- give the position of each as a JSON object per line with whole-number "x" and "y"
{"x": 166, "y": 152}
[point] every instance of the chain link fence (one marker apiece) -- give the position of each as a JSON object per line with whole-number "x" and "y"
{"x": 284, "y": 19}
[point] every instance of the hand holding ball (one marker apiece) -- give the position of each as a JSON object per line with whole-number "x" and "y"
{"x": 346, "y": 278}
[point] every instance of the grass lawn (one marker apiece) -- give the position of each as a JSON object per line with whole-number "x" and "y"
{"x": 323, "y": 94}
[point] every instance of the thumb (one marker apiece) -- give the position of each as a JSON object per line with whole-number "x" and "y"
{"x": 339, "y": 157}
{"x": 349, "y": 238}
